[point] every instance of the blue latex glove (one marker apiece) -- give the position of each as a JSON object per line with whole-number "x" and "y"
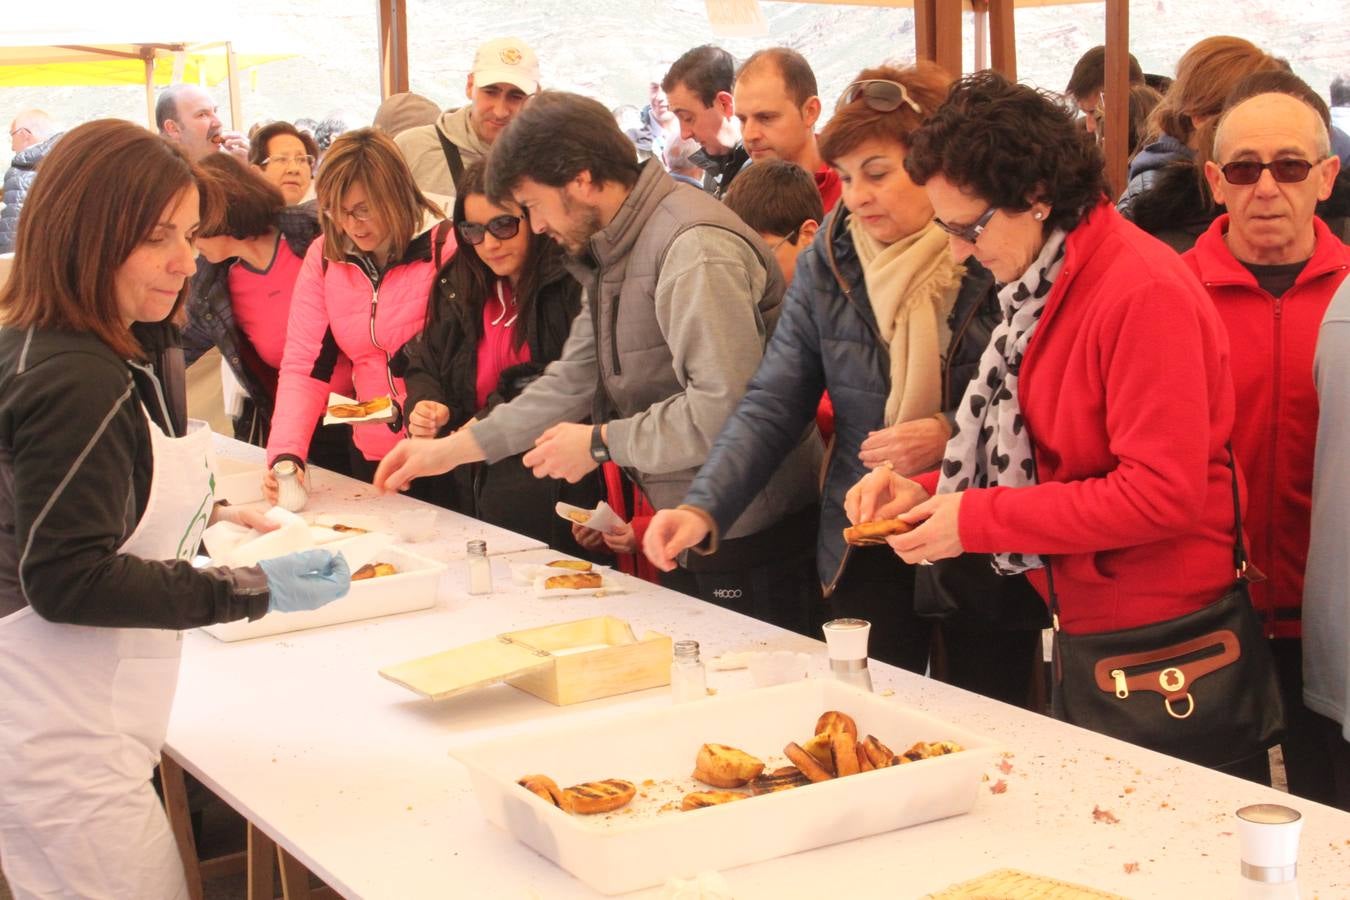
{"x": 306, "y": 580}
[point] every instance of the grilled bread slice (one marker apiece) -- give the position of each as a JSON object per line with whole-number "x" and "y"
{"x": 594, "y": 797}
{"x": 576, "y": 581}
{"x": 578, "y": 565}
{"x": 547, "y": 788}
{"x": 725, "y": 767}
{"x": 807, "y": 763}
{"x": 374, "y": 570}
{"x": 878, "y": 754}
{"x": 844, "y": 754}
{"x": 359, "y": 410}
{"x": 348, "y": 529}
{"x": 865, "y": 534}
{"x": 819, "y": 748}
{"x": 833, "y": 721}
{"x": 782, "y": 779}
{"x": 700, "y": 799}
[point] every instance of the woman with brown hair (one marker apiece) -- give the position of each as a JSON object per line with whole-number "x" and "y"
{"x": 104, "y": 491}
{"x": 286, "y": 157}
{"x": 1090, "y": 450}
{"x": 1206, "y": 73}
{"x": 881, "y": 316}
{"x": 361, "y": 293}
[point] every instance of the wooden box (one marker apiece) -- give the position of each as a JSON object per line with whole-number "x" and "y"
{"x": 566, "y": 663}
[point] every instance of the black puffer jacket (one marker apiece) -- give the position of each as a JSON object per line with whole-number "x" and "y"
{"x": 443, "y": 367}
{"x": 19, "y": 179}
{"x": 827, "y": 338}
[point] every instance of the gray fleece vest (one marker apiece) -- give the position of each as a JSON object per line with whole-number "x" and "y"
{"x": 636, "y": 367}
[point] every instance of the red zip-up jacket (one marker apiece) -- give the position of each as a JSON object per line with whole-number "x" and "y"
{"x": 1272, "y": 340}
{"x": 1126, "y": 391}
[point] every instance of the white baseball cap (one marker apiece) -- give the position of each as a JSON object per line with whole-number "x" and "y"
{"x": 506, "y": 61}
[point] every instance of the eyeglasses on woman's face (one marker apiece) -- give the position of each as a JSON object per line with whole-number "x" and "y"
{"x": 968, "y": 233}
{"x": 302, "y": 161}
{"x": 361, "y": 213}
{"x": 503, "y": 228}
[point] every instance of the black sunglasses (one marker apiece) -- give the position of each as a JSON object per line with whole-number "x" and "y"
{"x": 968, "y": 233}
{"x": 880, "y": 94}
{"x": 1285, "y": 171}
{"x": 503, "y": 228}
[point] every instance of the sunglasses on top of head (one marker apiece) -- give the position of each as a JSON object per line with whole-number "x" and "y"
{"x": 1285, "y": 171}
{"x": 880, "y": 94}
{"x": 503, "y": 228}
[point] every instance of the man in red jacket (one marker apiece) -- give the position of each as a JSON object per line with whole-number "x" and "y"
{"x": 1272, "y": 266}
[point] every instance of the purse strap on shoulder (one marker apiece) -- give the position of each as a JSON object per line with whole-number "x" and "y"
{"x": 1239, "y": 548}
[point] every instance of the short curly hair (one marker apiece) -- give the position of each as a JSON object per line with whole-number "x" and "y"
{"x": 1012, "y": 145}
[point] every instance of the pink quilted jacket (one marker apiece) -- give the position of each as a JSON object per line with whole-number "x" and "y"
{"x": 335, "y": 310}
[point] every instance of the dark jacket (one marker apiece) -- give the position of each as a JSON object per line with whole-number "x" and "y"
{"x": 75, "y": 473}
{"x": 1147, "y": 164}
{"x": 19, "y": 179}
{"x": 210, "y": 323}
{"x": 442, "y": 366}
{"x": 828, "y": 339}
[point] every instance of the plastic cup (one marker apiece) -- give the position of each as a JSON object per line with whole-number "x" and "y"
{"x": 416, "y": 525}
{"x": 778, "y": 667}
{"x": 1269, "y": 834}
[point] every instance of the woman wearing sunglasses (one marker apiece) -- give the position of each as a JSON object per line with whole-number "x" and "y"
{"x": 1091, "y": 445}
{"x": 501, "y": 311}
{"x": 361, "y": 294}
{"x": 881, "y": 316}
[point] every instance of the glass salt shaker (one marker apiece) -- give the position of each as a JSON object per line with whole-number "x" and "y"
{"x": 291, "y": 492}
{"x": 480, "y": 568}
{"x": 846, "y": 640}
{"x": 688, "y": 678}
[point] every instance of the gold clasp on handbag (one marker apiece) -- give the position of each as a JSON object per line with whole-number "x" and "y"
{"x": 1171, "y": 680}
{"x": 1122, "y": 690}
{"x": 1190, "y": 708}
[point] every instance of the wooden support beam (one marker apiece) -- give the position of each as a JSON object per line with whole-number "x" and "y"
{"x": 175, "y": 800}
{"x": 393, "y": 43}
{"x": 150, "y": 92}
{"x": 1117, "y": 93}
{"x": 232, "y": 77}
{"x": 925, "y": 33}
{"x": 947, "y": 27}
{"x": 981, "y": 10}
{"x": 1002, "y": 38}
{"x": 262, "y": 859}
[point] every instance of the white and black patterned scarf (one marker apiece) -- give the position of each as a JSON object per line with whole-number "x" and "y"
{"x": 990, "y": 445}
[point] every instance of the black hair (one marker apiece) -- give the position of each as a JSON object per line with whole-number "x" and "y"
{"x": 705, "y": 70}
{"x": 1089, "y": 73}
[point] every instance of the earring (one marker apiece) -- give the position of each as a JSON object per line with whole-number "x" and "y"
{"x": 1038, "y": 216}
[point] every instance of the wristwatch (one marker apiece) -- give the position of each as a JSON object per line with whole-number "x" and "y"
{"x": 599, "y": 452}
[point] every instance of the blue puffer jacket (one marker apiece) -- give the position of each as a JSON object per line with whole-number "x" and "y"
{"x": 827, "y": 338}
{"x": 18, "y": 179}
{"x": 1147, "y": 166}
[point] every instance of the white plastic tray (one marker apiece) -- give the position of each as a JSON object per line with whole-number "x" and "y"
{"x": 237, "y": 481}
{"x": 614, "y": 855}
{"x": 413, "y": 587}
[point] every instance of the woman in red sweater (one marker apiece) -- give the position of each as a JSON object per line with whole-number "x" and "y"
{"x": 1095, "y": 432}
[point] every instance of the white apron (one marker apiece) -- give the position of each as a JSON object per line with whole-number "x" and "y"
{"x": 83, "y": 714}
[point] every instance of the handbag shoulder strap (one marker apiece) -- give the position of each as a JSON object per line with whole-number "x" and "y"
{"x": 1239, "y": 547}
{"x": 452, "y": 158}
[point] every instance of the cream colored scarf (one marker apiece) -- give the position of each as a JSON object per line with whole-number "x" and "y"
{"x": 912, "y": 285}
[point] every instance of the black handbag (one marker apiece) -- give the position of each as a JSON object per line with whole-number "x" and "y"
{"x": 1201, "y": 687}
{"x": 966, "y": 591}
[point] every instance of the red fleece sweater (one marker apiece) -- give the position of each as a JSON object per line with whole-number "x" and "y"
{"x": 1272, "y": 341}
{"x": 1126, "y": 391}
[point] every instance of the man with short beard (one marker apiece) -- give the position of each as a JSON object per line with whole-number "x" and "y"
{"x": 505, "y": 74}
{"x": 680, "y": 298}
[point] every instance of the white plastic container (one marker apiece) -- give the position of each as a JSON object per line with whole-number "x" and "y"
{"x": 237, "y": 481}
{"x": 413, "y": 587}
{"x": 617, "y": 854}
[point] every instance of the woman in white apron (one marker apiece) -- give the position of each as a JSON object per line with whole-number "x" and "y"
{"x": 104, "y": 492}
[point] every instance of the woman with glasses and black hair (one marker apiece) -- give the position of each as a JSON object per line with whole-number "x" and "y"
{"x": 500, "y": 312}
{"x": 1090, "y": 448}
{"x": 361, "y": 294}
{"x": 285, "y": 156}
{"x": 881, "y": 316}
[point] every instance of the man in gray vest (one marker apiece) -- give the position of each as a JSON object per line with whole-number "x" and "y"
{"x": 680, "y": 298}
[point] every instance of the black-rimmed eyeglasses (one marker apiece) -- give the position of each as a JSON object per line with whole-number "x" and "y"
{"x": 968, "y": 233}
{"x": 880, "y": 94}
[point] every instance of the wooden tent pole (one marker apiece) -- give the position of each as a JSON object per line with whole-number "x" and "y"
{"x": 1117, "y": 90}
{"x": 925, "y": 36}
{"x": 981, "y": 10}
{"x": 232, "y": 74}
{"x": 1003, "y": 38}
{"x": 393, "y": 40}
{"x": 947, "y": 27}
{"x": 148, "y": 56}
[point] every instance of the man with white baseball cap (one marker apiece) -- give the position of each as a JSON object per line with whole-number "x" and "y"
{"x": 505, "y": 74}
